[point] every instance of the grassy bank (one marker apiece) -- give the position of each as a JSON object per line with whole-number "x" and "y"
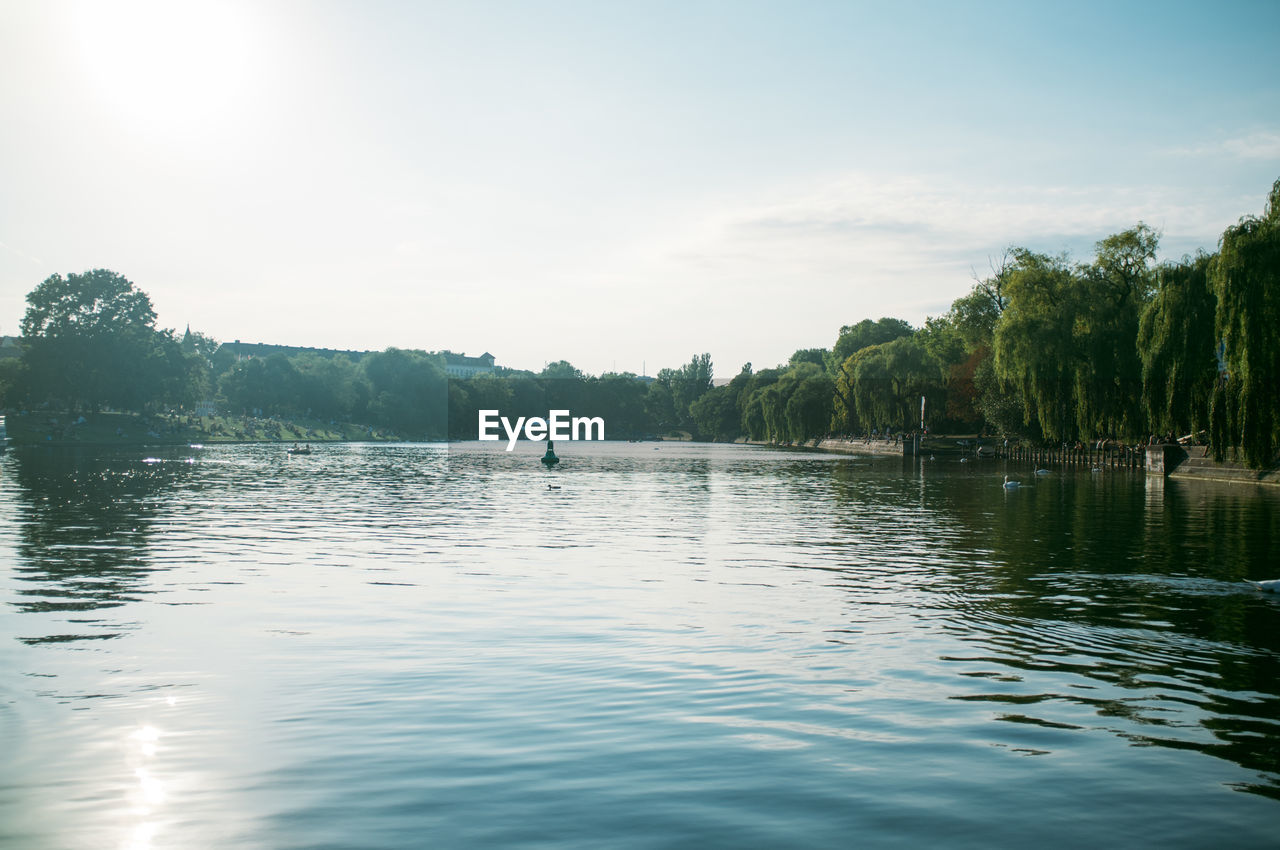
{"x": 52, "y": 429}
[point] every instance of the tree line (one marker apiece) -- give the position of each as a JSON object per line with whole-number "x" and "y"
{"x": 1043, "y": 348}
{"x": 1050, "y": 350}
{"x": 90, "y": 342}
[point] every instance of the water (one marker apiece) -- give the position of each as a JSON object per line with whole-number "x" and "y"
{"x": 712, "y": 646}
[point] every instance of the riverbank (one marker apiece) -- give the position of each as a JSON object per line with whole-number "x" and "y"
{"x": 861, "y": 447}
{"x": 1193, "y": 468}
{"x": 849, "y": 447}
{"x": 125, "y": 429}
{"x": 1174, "y": 462}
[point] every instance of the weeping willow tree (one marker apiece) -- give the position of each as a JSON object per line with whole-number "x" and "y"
{"x": 1246, "y": 280}
{"x": 1034, "y": 344}
{"x": 1108, "y": 374}
{"x": 1177, "y": 342}
{"x": 872, "y": 391}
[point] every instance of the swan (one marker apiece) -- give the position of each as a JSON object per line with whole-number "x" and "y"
{"x": 1010, "y": 485}
{"x": 1042, "y": 472}
{"x": 1270, "y": 585}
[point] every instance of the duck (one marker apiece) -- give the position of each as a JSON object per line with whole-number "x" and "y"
{"x": 1011, "y": 485}
{"x": 1267, "y": 586}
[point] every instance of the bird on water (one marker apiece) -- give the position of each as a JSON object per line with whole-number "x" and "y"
{"x": 1010, "y": 485}
{"x": 1270, "y": 585}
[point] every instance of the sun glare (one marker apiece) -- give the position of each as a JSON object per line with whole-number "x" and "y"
{"x": 176, "y": 66}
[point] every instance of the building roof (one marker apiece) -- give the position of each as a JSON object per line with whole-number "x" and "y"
{"x": 451, "y": 359}
{"x": 263, "y": 349}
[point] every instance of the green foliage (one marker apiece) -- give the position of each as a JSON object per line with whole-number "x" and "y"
{"x": 12, "y": 378}
{"x": 331, "y": 388}
{"x": 1000, "y": 405}
{"x": 409, "y": 392}
{"x": 91, "y": 341}
{"x": 854, "y": 338}
{"x": 718, "y": 413}
{"x": 1065, "y": 340}
{"x": 816, "y": 356}
{"x": 791, "y": 405}
{"x": 1041, "y": 347}
{"x": 1176, "y": 342}
{"x": 561, "y": 370}
{"x": 1034, "y": 346}
{"x": 884, "y": 384}
{"x": 682, "y": 387}
{"x": 1246, "y": 280}
{"x": 1123, "y": 264}
{"x": 92, "y": 305}
{"x": 808, "y": 392}
{"x": 752, "y": 404}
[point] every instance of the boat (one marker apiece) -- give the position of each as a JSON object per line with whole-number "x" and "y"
{"x": 300, "y": 450}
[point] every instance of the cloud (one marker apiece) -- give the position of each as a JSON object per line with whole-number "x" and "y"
{"x": 1261, "y": 145}
{"x": 908, "y": 230}
{"x": 35, "y": 261}
{"x": 1254, "y": 146}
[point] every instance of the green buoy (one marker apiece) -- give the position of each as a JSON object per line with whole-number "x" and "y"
{"x": 549, "y": 459}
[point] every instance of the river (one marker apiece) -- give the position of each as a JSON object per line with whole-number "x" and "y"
{"x": 654, "y": 645}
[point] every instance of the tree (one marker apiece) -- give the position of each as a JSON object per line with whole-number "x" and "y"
{"x": 1108, "y": 373}
{"x": 854, "y": 338}
{"x": 809, "y": 391}
{"x": 1034, "y": 344}
{"x": 1123, "y": 263}
{"x": 752, "y": 404}
{"x": 1176, "y": 342}
{"x": 816, "y": 356}
{"x": 715, "y": 415}
{"x": 1246, "y": 280}
{"x": 172, "y": 373}
{"x": 689, "y": 383}
{"x": 718, "y": 413}
{"x": 331, "y": 387}
{"x": 88, "y": 336}
{"x": 871, "y": 388}
{"x": 561, "y": 370}
{"x": 409, "y": 392}
{"x": 684, "y": 386}
{"x": 619, "y": 398}
{"x": 12, "y": 378}
{"x": 270, "y": 384}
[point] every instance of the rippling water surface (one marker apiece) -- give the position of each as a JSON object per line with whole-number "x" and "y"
{"x": 682, "y": 645}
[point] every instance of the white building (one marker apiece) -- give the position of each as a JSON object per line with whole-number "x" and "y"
{"x": 462, "y": 366}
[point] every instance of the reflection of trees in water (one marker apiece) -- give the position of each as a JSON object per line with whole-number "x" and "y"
{"x": 1099, "y": 594}
{"x": 83, "y": 523}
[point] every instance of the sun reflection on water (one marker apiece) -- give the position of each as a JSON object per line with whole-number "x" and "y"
{"x": 149, "y": 793}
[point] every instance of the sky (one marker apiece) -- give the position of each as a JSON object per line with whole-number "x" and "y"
{"x": 622, "y": 185}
